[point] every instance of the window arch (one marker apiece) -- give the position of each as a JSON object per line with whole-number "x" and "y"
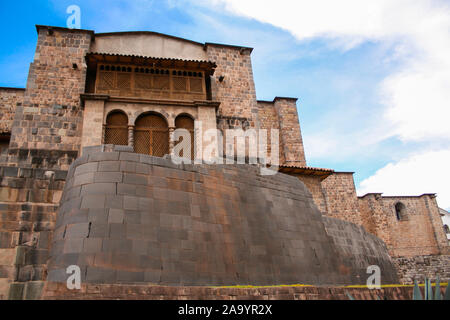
{"x": 151, "y": 135}
{"x": 400, "y": 211}
{"x": 186, "y": 122}
{"x": 116, "y": 131}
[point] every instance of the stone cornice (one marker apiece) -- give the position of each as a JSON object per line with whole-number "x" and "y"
{"x": 180, "y": 103}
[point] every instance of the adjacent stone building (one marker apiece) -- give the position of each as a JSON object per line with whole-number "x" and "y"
{"x": 84, "y": 155}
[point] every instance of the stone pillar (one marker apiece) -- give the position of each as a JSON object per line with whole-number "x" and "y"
{"x": 206, "y": 120}
{"x": 290, "y": 134}
{"x": 93, "y": 133}
{"x": 436, "y": 223}
{"x": 171, "y": 142}
{"x": 131, "y": 136}
{"x": 104, "y": 134}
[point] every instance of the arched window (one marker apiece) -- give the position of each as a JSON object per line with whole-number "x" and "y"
{"x": 116, "y": 131}
{"x": 151, "y": 135}
{"x": 400, "y": 211}
{"x": 186, "y": 122}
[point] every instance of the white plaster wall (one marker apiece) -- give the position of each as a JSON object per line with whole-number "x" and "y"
{"x": 151, "y": 45}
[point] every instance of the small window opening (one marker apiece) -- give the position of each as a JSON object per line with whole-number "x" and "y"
{"x": 4, "y": 142}
{"x": 400, "y": 211}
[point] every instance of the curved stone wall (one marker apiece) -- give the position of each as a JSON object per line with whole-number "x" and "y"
{"x": 359, "y": 249}
{"x": 131, "y": 218}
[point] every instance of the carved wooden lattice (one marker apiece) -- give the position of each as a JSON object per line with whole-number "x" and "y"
{"x": 124, "y": 81}
{"x": 179, "y": 84}
{"x": 185, "y": 122}
{"x": 116, "y": 131}
{"x": 143, "y": 81}
{"x": 146, "y": 82}
{"x": 151, "y": 136}
{"x": 196, "y": 85}
{"x": 161, "y": 82}
{"x": 106, "y": 80}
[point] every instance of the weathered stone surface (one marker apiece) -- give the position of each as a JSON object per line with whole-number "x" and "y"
{"x": 419, "y": 267}
{"x": 210, "y": 225}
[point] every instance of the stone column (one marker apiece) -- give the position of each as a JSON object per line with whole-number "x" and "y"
{"x": 171, "y": 142}
{"x": 93, "y": 132}
{"x": 131, "y": 136}
{"x": 291, "y": 141}
{"x": 104, "y": 134}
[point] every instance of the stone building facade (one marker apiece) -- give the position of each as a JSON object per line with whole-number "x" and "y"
{"x": 133, "y": 90}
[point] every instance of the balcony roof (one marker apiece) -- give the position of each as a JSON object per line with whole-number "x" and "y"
{"x": 158, "y": 62}
{"x": 322, "y": 173}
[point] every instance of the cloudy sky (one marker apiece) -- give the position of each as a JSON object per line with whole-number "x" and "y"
{"x": 372, "y": 77}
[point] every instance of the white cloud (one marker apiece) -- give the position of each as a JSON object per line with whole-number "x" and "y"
{"x": 420, "y": 102}
{"x": 421, "y": 173}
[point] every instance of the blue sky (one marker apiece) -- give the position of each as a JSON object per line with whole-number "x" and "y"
{"x": 372, "y": 78}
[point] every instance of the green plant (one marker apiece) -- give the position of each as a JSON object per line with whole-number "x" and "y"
{"x": 437, "y": 290}
{"x": 416, "y": 292}
{"x": 447, "y": 292}
{"x": 350, "y": 297}
{"x": 428, "y": 291}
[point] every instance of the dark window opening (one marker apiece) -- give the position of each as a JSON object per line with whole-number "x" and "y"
{"x": 400, "y": 211}
{"x": 4, "y": 142}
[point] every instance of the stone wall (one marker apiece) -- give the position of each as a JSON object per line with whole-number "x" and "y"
{"x": 127, "y": 218}
{"x": 290, "y": 133}
{"x": 51, "y": 115}
{"x": 45, "y": 138}
{"x": 268, "y": 120}
{"x": 38, "y": 159}
{"x": 341, "y": 198}
{"x": 358, "y": 247}
{"x": 430, "y": 266}
{"x": 267, "y": 115}
{"x": 29, "y": 199}
{"x": 418, "y": 232}
{"x": 237, "y": 90}
{"x": 314, "y": 185}
{"x": 10, "y": 98}
{"x": 281, "y": 114}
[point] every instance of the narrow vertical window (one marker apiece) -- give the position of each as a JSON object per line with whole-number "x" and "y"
{"x": 400, "y": 211}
